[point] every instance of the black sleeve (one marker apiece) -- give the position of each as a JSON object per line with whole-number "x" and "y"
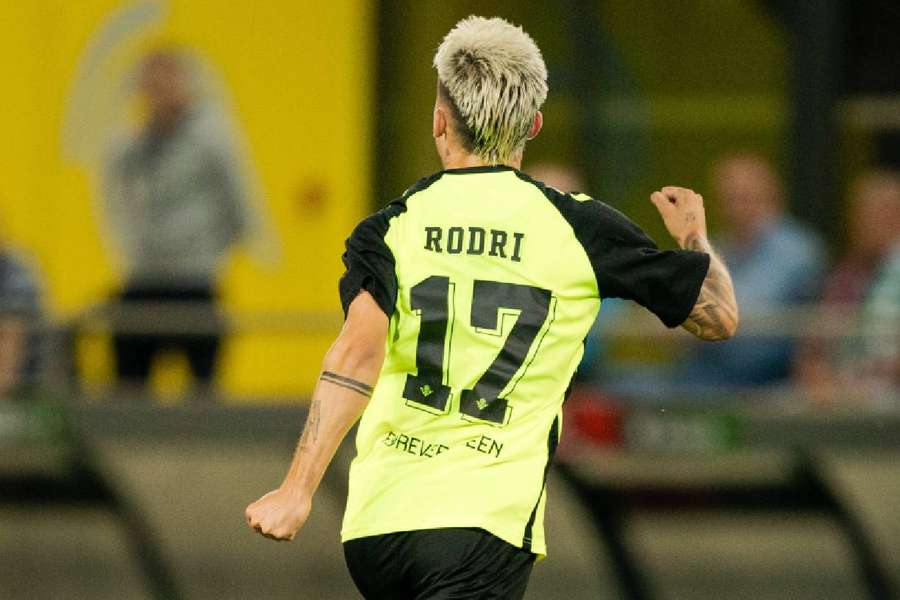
{"x": 369, "y": 263}
{"x": 628, "y": 264}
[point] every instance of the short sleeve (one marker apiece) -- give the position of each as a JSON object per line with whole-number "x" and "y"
{"x": 628, "y": 264}
{"x": 369, "y": 263}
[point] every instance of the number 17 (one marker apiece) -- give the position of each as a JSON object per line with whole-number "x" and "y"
{"x": 432, "y": 300}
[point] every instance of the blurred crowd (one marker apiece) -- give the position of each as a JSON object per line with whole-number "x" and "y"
{"x": 827, "y": 329}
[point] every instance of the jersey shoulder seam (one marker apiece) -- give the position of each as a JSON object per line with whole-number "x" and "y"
{"x": 421, "y": 185}
{"x": 398, "y": 206}
{"x": 556, "y": 197}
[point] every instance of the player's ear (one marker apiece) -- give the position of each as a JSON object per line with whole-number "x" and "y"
{"x": 536, "y": 125}
{"x": 439, "y": 122}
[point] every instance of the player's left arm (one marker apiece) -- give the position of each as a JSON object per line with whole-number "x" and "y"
{"x": 349, "y": 372}
{"x": 714, "y": 316}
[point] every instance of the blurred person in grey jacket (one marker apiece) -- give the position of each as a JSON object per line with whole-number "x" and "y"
{"x": 177, "y": 202}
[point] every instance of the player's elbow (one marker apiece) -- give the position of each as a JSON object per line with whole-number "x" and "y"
{"x": 723, "y": 330}
{"x": 730, "y": 326}
{"x": 712, "y": 324}
{"x": 721, "y": 334}
{"x": 354, "y": 355}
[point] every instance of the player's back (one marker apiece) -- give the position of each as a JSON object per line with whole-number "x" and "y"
{"x": 495, "y": 295}
{"x": 492, "y": 282}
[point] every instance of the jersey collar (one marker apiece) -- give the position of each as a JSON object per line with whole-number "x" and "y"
{"x": 479, "y": 169}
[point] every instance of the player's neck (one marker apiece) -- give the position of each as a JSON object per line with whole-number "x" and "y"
{"x": 464, "y": 160}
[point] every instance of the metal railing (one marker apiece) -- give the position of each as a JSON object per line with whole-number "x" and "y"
{"x": 55, "y": 337}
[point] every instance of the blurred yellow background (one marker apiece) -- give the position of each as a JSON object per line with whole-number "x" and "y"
{"x": 298, "y": 77}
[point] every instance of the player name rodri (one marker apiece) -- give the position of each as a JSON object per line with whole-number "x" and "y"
{"x": 476, "y": 241}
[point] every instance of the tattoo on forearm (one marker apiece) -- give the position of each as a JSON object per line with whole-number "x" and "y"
{"x": 311, "y": 431}
{"x": 350, "y": 384}
{"x": 715, "y": 315}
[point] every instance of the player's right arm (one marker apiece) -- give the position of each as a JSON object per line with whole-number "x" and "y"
{"x": 368, "y": 291}
{"x": 715, "y": 314}
{"x": 349, "y": 372}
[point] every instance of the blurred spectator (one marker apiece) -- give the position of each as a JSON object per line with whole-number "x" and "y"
{"x": 775, "y": 262}
{"x": 826, "y": 364}
{"x": 19, "y": 309}
{"x": 177, "y": 203}
{"x": 881, "y": 330}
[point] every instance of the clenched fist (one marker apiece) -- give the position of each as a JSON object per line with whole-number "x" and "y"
{"x": 279, "y": 515}
{"x": 682, "y": 212}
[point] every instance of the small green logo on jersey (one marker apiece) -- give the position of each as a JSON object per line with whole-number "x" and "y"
{"x": 482, "y": 403}
{"x": 426, "y": 390}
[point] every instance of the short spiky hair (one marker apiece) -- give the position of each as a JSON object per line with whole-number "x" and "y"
{"x": 496, "y": 80}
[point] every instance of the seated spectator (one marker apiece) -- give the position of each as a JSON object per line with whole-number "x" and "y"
{"x": 19, "y": 307}
{"x": 775, "y": 263}
{"x": 881, "y": 335}
{"x": 826, "y": 363}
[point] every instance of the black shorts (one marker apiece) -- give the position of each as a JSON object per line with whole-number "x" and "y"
{"x": 437, "y": 564}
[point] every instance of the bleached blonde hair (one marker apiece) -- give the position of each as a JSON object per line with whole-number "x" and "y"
{"x": 496, "y": 80}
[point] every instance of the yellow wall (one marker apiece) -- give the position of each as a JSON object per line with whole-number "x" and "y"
{"x": 298, "y": 74}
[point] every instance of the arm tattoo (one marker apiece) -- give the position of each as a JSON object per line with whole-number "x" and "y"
{"x": 715, "y": 315}
{"x": 350, "y": 384}
{"x": 311, "y": 431}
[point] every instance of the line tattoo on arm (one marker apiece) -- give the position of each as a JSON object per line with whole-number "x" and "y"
{"x": 311, "y": 431}
{"x": 715, "y": 315}
{"x": 351, "y": 384}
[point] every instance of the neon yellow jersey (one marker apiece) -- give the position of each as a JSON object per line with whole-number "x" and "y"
{"x": 491, "y": 281}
